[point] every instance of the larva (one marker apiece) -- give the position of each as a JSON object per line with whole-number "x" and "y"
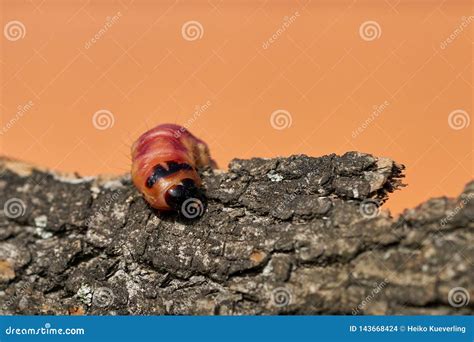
{"x": 165, "y": 160}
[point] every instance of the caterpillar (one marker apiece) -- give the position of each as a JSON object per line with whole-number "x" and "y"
{"x": 165, "y": 161}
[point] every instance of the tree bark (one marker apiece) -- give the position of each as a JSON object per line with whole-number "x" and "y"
{"x": 295, "y": 235}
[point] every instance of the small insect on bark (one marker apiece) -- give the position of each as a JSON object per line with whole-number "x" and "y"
{"x": 165, "y": 161}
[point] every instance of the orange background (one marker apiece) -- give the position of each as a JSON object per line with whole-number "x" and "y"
{"x": 319, "y": 69}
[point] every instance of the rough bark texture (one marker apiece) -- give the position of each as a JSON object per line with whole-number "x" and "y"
{"x": 295, "y": 235}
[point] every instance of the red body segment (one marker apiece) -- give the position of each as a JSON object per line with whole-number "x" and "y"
{"x": 173, "y": 150}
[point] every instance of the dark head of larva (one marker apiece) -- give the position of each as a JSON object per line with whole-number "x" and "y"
{"x": 178, "y": 195}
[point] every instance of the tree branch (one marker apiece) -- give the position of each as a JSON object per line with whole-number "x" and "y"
{"x": 295, "y": 235}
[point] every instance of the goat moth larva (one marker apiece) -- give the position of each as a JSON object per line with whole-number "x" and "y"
{"x": 165, "y": 160}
